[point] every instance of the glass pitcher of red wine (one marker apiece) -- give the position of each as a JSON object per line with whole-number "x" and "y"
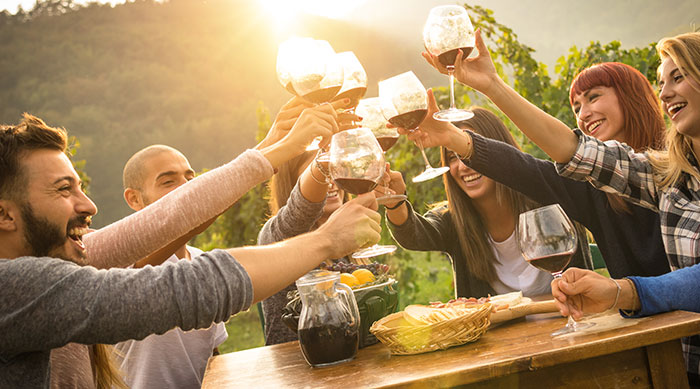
{"x": 547, "y": 240}
{"x": 329, "y": 321}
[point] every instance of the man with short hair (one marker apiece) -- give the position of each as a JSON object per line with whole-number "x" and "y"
{"x": 49, "y": 302}
{"x": 175, "y": 358}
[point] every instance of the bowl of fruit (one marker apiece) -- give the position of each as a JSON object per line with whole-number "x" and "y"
{"x": 373, "y": 287}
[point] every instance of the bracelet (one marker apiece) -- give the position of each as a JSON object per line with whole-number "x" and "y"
{"x": 400, "y": 203}
{"x": 617, "y": 296}
{"x": 471, "y": 148}
{"x": 321, "y": 169}
{"x": 325, "y": 179}
{"x": 635, "y": 296}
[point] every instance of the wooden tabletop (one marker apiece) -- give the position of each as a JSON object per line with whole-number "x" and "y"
{"x": 519, "y": 347}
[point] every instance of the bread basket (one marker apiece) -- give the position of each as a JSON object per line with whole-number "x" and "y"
{"x": 407, "y": 336}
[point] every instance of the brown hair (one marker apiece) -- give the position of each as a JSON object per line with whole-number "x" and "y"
{"x": 30, "y": 134}
{"x": 470, "y": 229}
{"x": 642, "y": 121}
{"x": 282, "y": 183}
{"x": 684, "y": 50}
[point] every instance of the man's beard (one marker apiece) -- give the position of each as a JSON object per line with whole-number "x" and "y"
{"x": 42, "y": 236}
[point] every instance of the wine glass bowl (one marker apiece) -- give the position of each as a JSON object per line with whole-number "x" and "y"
{"x": 447, "y": 30}
{"x": 404, "y": 103}
{"x": 309, "y": 68}
{"x": 356, "y": 166}
{"x": 318, "y": 77}
{"x": 547, "y": 240}
{"x": 287, "y": 60}
{"x": 354, "y": 79}
{"x": 356, "y": 160}
{"x": 370, "y": 110}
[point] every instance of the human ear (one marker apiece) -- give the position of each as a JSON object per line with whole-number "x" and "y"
{"x": 8, "y": 215}
{"x": 133, "y": 199}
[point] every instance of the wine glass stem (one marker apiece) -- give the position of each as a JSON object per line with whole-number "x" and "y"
{"x": 422, "y": 151}
{"x": 451, "y": 73}
{"x": 571, "y": 323}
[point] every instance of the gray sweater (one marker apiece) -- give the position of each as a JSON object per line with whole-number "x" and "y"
{"x": 47, "y": 303}
{"x": 298, "y": 216}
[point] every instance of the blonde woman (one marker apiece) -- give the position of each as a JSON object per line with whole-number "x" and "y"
{"x": 665, "y": 181}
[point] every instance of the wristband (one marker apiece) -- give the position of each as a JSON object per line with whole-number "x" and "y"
{"x": 400, "y": 203}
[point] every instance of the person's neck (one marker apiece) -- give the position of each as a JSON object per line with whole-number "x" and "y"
{"x": 11, "y": 248}
{"x": 497, "y": 218}
{"x": 695, "y": 145}
{"x": 182, "y": 253}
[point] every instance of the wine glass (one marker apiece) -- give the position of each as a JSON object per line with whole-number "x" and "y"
{"x": 371, "y": 112}
{"x": 310, "y": 69}
{"x": 447, "y": 30}
{"x": 357, "y": 166}
{"x": 354, "y": 86}
{"x": 404, "y": 103}
{"x": 547, "y": 240}
{"x": 354, "y": 79}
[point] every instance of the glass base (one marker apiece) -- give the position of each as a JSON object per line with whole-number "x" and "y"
{"x": 374, "y": 251}
{"x": 331, "y": 363}
{"x": 453, "y": 115}
{"x": 430, "y": 173}
{"x": 390, "y": 198}
{"x": 568, "y": 328}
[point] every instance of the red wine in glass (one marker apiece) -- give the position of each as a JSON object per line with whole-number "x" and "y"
{"x": 554, "y": 264}
{"x": 387, "y": 142}
{"x": 355, "y": 186}
{"x": 409, "y": 120}
{"x": 354, "y": 94}
{"x": 448, "y": 58}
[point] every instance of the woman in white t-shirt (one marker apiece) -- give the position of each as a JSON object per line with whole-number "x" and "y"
{"x": 475, "y": 226}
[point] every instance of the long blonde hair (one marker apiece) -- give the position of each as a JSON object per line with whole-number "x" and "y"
{"x": 684, "y": 50}
{"x": 105, "y": 371}
{"x": 469, "y": 227}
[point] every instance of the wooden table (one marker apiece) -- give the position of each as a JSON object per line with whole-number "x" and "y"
{"x": 518, "y": 354}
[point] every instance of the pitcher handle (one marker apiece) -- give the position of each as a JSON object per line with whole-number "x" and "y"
{"x": 349, "y": 297}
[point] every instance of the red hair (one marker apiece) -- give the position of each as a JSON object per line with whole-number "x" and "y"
{"x": 643, "y": 122}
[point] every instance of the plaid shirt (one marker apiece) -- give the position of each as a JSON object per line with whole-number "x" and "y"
{"x": 614, "y": 167}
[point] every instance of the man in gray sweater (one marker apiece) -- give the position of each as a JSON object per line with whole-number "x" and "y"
{"x": 48, "y": 300}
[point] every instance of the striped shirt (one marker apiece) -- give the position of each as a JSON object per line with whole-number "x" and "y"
{"x": 617, "y": 168}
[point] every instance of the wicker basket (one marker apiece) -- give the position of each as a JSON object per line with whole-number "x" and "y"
{"x": 404, "y": 338}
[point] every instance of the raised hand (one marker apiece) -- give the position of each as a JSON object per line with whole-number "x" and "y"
{"x": 478, "y": 72}
{"x": 392, "y": 182}
{"x": 581, "y": 291}
{"x": 288, "y": 116}
{"x": 356, "y": 224}
{"x": 319, "y": 121}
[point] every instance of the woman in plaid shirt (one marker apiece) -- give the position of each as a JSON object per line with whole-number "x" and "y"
{"x": 667, "y": 182}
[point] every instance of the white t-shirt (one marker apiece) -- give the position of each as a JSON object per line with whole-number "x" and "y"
{"x": 514, "y": 273}
{"x": 176, "y": 359}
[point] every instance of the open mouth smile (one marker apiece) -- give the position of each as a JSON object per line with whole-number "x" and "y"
{"x": 674, "y": 109}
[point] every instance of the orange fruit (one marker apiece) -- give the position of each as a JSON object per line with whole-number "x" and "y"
{"x": 363, "y": 276}
{"x": 349, "y": 280}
